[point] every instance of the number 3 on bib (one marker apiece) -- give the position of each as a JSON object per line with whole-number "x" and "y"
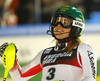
{"x": 51, "y": 72}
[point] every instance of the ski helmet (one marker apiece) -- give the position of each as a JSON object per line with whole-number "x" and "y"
{"x": 76, "y": 18}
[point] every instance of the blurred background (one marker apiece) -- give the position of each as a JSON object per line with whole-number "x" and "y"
{"x": 25, "y": 22}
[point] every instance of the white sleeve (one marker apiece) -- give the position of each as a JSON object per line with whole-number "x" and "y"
{"x": 28, "y": 71}
{"x": 89, "y": 62}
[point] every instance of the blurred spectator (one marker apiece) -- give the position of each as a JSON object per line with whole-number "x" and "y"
{"x": 1, "y": 10}
{"x": 7, "y": 15}
{"x": 26, "y": 12}
{"x": 14, "y": 5}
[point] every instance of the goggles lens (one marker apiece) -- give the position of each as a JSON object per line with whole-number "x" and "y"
{"x": 65, "y": 22}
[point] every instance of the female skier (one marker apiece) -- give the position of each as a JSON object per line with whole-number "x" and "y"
{"x": 69, "y": 60}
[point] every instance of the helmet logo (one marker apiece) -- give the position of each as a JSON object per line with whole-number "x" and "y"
{"x": 78, "y": 24}
{"x": 64, "y": 8}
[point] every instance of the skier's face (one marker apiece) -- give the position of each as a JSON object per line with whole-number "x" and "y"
{"x": 62, "y": 26}
{"x": 61, "y": 32}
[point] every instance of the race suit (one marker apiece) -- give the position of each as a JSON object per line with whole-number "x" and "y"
{"x": 57, "y": 65}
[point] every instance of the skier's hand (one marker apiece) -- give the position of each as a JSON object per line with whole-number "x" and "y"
{"x": 3, "y": 47}
{"x": 8, "y": 54}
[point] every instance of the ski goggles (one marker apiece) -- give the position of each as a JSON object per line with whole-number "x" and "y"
{"x": 64, "y": 21}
